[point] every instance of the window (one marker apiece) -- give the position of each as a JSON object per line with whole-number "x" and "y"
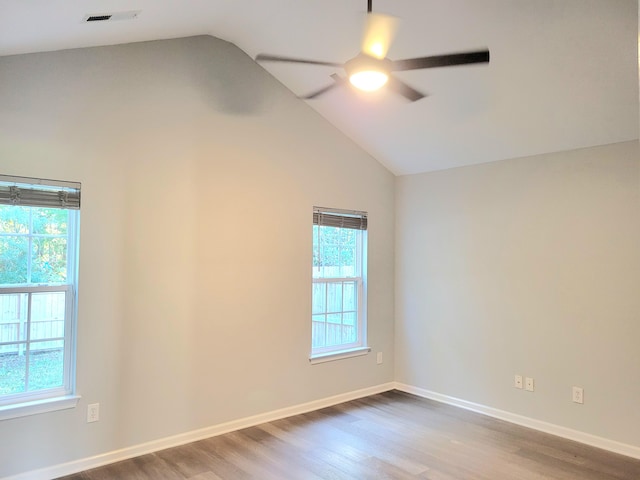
{"x": 339, "y": 283}
{"x": 38, "y": 272}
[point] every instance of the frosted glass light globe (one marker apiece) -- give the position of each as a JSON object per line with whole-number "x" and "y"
{"x": 368, "y": 80}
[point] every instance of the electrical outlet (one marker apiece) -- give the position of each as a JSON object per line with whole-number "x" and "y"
{"x": 379, "y": 358}
{"x": 93, "y": 412}
{"x": 578, "y": 395}
{"x": 528, "y": 384}
{"x": 517, "y": 381}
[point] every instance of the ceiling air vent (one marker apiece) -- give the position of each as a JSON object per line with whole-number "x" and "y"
{"x": 110, "y": 17}
{"x": 98, "y": 18}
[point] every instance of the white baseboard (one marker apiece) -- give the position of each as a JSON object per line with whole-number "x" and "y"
{"x": 168, "y": 442}
{"x": 564, "y": 432}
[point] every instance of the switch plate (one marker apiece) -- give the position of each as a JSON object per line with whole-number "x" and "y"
{"x": 379, "y": 358}
{"x": 528, "y": 384}
{"x": 93, "y": 412}
{"x": 517, "y": 381}
{"x": 578, "y": 395}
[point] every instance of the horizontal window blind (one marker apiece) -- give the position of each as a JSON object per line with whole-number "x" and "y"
{"x": 36, "y": 192}
{"x": 340, "y": 218}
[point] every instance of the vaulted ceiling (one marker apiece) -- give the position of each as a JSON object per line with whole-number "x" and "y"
{"x": 563, "y": 73}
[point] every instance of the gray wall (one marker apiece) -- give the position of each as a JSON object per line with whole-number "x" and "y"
{"x": 199, "y": 172}
{"x": 528, "y": 266}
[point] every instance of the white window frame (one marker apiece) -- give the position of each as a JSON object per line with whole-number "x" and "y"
{"x": 61, "y": 397}
{"x": 359, "y": 347}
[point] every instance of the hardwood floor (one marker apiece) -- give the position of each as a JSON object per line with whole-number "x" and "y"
{"x": 392, "y": 435}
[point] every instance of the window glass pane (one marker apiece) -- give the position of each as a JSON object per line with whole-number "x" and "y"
{"x": 50, "y": 221}
{"x": 350, "y": 301}
{"x": 46, "y": 365}
{"x": 13, "y": 320}
{"x": 47, "y": 315}
{"x": 14, "y": 219}
{"x": 334, "y": 297}
{"x": 329, "y": 247}
{"x": 13, "y": 368}
{"x": 334, "y": 251}
{"x": 14, "y": 252}
{"x": 319, "y": 297}
{"x": 318, "y": 331}
{"x": 349, "y": 328}
{"x": 350, "y": 319}
{"x": 317, "y": 268}
{"x": 347, "y": 245}
{"x": 49, "y": 260}
{"x": 349, "y": 267}
{"x": 333, "y": 335}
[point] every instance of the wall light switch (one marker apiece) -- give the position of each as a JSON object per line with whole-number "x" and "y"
{"x": 379, "y": 358}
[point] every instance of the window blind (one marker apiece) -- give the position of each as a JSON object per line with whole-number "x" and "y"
{"x": 37, "y": 192}
{"x": 340, "y": 218}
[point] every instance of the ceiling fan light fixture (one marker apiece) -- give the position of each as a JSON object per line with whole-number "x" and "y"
{"x": 368, "y": 73}
{"x": 370, "y": 70}
{"x": 369, "y": 80}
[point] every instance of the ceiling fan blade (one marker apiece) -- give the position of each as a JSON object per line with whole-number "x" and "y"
{"x": 338, "y": 82}
{"x": 263, "y": 57}
{"x": 379, "y": 30}
{"x": 317, "y": 93}
{"x": 405, "y": 90}
{"x": 481, "y": 56}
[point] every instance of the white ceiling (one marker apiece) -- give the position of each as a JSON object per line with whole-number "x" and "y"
{"x": 563, "y": 73}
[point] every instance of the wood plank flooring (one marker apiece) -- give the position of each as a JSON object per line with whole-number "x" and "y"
{"x": 392, "y": 435}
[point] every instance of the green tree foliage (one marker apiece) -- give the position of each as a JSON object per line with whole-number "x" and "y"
{"x": 335, "y": 247}
{"x": 33, "y": 245}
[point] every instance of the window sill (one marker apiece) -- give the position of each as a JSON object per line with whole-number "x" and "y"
{"x": 38, "y": 406}
{"x": 330, "y": 357}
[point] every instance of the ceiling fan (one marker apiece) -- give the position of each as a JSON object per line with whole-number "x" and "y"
{"x": 371, "y": 69}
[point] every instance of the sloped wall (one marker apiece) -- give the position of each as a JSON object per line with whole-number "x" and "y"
{"x": 199, "y": 172}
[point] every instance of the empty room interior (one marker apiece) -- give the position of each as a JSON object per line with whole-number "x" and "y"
{"x": 176, "y": 178}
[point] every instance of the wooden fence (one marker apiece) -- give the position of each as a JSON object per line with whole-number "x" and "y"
{"x": 326, "y": 334}
{"x": 47, "y": 320}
